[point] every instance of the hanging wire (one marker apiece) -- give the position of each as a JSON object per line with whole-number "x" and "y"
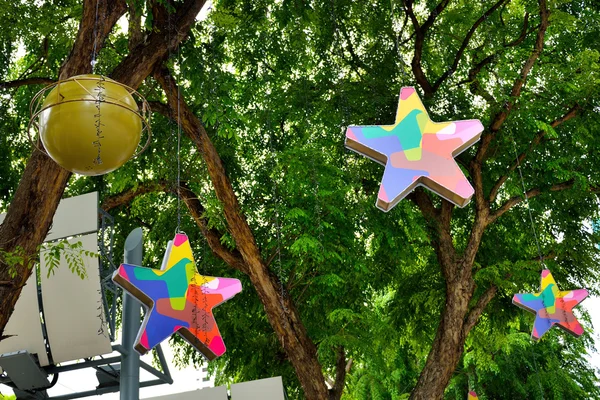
{"x": 537, "y": 242}
{"x": 179, "y": 143}
{"x": 277, "y": 220}
{"x": 539, "y": 249}
{"x": 94, "y": 51}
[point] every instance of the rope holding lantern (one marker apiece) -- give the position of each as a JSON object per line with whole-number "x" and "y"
{"x": 90, "y": 124}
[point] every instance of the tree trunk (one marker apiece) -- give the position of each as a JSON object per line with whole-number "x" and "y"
{"x": 43, "y": 182}
{"x": 41, "y": 187}
{"x": 448, "y": 344}
{"x": 281, "y": 311}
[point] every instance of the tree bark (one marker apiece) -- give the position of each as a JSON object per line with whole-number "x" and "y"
{"x": 41, "y": 187}
{"x": 447, "y": 345}
{"x": 280, "y": 309}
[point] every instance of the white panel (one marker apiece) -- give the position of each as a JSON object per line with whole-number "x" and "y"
{"x": 73, "y": 308}
{"x": 25, "y": 325}
{"x": 218, "y": 393}
{"x": 262, "y": 389}
{"x": 74, "y": 216}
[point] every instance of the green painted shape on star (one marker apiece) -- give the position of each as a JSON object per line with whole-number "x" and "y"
{"x": 547, "y": 296}
{"x": 178, "y": 303}
{"x": 176, "y": 278}
{"x": 408, "y": 131}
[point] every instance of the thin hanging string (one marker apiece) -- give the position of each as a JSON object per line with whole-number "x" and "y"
{"x": 95, "y": 49}
{"x": 179, "y": 146}
{"x": 277, "y": 219}
{"x": 537, "y": 242}
{"x": 539, "y": 249}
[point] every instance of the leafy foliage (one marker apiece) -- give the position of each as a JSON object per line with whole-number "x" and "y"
{"x": 275, "y": 84}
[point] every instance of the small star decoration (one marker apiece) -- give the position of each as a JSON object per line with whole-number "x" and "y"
{"x": 472, "y": 396}
{"x": 417, "y": 151}
{"x": 178, "y": 299}
{"x": 551, "y": 306}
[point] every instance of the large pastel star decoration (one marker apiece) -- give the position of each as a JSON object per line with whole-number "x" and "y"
{"x": 552, "y": 307}
{"x": 417, "y": 152}
{"x": 472, "y": 396}
{"x": 178, "y": 299}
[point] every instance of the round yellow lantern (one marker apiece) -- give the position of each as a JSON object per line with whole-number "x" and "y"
{"x": 90, "y": 124}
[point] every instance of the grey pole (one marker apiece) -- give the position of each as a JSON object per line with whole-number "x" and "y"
{"x": 130, "y": 364}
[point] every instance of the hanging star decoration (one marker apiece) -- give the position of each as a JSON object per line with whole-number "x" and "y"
{"x": 178, "y": 299}
{"x": 417, "y": 152}
{"x": 472, "y": 396}
{"x": 552, "y": 307}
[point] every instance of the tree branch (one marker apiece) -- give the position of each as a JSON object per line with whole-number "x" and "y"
{"x": 142, "y": 60}
{"x": 536, "y": 140}
{"x": 27, "y": 81}
{"x": 513, "y": 201}
{"x": 335, "y": 393}
{"x": 502, "y": 115}
{"x": 279, "y": 307}
{"x": 523, "y": 34}
{"x": 499, "y": 119}
{"x": 91, "y": 35}
{"x": 420, "y": 32}
{"x": 136, "y": 36}
{"x": 126, "y": 197}
{"x": 161, "y": 108}
{"x": 465, "y": 43}
{"x": 478, "y": 309}
{"x": 233, "y": 258}
{"x": 213, "y": 236}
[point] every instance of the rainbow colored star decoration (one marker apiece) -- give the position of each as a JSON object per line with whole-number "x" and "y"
{"x": 552, "y": 307}
{"x": 472, "y": 396}
{"x": 417, "y": 152}
{"x": 178, "y": 300}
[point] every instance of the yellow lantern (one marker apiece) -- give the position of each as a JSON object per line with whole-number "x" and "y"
{"x": 90, "y": 124}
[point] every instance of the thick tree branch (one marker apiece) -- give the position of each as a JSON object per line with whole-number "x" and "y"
{"x": 281, "y": 311}
{"x": 91, "y": 35}
{"x": 499, "y": 118}
{"x": 420, "y": 33}
{"x": 126, "y": 197}
{"x": 478, "y": 309}
{"x": 465, "y": 43}
{"x": 521, "y": 157}
{"x": 136, "y": 36}
{"x": 27, "y": 81}
{"x": 142, "y": 60}
{"x": 335, "y": 393}
{"x": 439, "y": 221}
